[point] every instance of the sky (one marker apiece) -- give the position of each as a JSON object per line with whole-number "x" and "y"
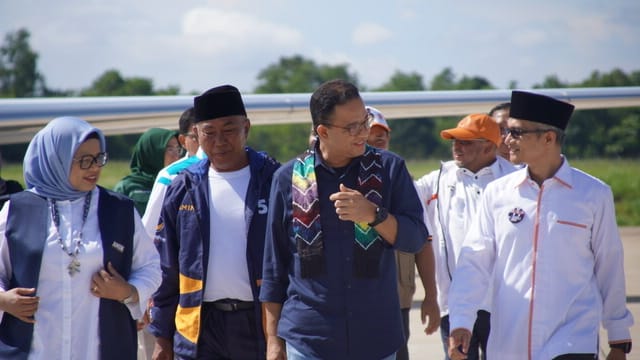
{"x": 196, "y": 45}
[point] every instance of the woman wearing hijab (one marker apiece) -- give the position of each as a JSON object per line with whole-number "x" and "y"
{"x": 155, "y": 149}
{"x": 71, "y": 283}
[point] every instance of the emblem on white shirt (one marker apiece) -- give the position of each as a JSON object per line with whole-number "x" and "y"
{"x": 516, "y": 215}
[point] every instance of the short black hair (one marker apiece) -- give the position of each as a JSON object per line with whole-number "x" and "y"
{"x": 327, "y": 96}
{"x": 187, "y": 120}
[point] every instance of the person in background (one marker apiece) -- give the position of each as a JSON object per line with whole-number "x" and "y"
{"x": 451, "y": 197}
{"x": 211, "y": 240}
{"x": 337, "y": 214}
{"x": 186, "y": 135}
{"x": 71, "y": 283}
{"x": 545, "y": 240}
{"x": 380, "y": 136}
{"x": 7, "y": 187}
{"x": 189, "y": 141}
{"x": 155, "y": 149}
{"x": 500, "y": 113}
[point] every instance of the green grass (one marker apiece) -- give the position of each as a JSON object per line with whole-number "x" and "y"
{"x": 622, "y": 175}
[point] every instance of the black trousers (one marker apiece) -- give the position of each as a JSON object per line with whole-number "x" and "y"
{"x": 228, "y": 335}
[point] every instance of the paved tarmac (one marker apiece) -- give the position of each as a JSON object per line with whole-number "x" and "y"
{"x": 429, "y": 347}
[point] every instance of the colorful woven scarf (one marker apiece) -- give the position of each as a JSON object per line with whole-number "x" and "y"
{"x": 307, "y": 226}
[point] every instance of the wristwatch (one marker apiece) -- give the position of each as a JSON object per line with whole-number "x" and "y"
{"x": 625, "y": 346}
{"x": 129, "y": 299}
{"x": 381, "y": 215}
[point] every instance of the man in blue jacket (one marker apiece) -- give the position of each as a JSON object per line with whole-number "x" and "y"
{"x": 337, "y": 213}
{"x": 211, "y": 240}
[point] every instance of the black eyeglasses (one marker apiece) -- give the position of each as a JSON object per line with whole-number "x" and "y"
{"x": 517, "y": 133}
{"x": 87, "y": 161}
{"x": 355, "y": 129}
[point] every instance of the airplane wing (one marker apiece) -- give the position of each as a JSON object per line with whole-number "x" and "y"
{"x": 20, "y": 119}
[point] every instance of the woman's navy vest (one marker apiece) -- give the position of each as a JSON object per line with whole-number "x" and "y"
{"x": 26, "y": 235}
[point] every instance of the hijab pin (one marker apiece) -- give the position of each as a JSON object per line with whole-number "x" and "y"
{"x": 118, "y": 246}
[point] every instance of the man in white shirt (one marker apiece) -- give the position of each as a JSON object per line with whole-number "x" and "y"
{"x": 545, "y": 241}
{"x": 450, "y": 197}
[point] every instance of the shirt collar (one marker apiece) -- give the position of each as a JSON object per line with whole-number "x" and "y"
{"x": 319, "y": 161}
{"x": 494, "y": 169}
{"x": 562, "y": 176}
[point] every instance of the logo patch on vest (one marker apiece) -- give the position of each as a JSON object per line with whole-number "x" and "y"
{"x": 119, "y": 247}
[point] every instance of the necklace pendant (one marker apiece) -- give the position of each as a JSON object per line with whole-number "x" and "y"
{"x": 74, "y": 267}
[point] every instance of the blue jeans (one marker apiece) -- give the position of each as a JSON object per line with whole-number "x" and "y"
{"x": 479, "y": 337}
{"x": 294, "y": 354}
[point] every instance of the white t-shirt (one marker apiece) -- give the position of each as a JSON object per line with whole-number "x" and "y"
{"x": 227, "y": 272}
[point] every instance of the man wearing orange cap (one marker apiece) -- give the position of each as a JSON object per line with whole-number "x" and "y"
{"x": 380, "y": 136}
{"x": 546, "y": 242}
{"x": 451, "y": 196}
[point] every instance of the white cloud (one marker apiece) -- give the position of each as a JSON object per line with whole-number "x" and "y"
{"x": 211, "y": 30}
{"x": 196, "y": 43}
{"x": 370, "y": 33}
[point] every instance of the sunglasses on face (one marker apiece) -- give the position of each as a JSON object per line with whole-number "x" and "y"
{"x": 517, "y": 133}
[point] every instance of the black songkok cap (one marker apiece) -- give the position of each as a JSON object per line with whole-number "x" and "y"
{"x": 218, "y": 102}
{"x": 540, "y": 108}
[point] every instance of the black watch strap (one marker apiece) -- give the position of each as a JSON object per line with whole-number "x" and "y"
{"x": 625, "y": 346}
{"x": 381, "y": 215}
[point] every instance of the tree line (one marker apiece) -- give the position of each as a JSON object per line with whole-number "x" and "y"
{"x": 603, "y": 133}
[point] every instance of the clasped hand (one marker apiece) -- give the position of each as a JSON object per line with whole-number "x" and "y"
{"x": 351, "y": 205}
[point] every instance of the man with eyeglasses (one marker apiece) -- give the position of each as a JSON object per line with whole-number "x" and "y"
{"x": 189, "y": 141}
{"x": 450, "y": 197}
{"x": 211, "y": 240}
{"x": 546, "y": 241}
{"x": 337, "y": 213}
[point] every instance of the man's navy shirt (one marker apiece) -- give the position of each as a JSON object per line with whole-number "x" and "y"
{"x": 336, "y": 315}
